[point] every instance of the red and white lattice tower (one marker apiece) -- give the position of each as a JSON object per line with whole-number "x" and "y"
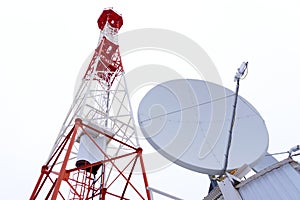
{"x": 96, "y": 154}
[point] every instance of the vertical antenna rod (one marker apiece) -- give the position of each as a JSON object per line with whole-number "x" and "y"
{"x": 237, "y": 78}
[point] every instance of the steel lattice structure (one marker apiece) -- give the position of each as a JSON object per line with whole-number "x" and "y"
{"x": 102, "y": 115}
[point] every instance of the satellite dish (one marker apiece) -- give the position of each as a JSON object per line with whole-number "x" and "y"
{"x": 188, "y": 122}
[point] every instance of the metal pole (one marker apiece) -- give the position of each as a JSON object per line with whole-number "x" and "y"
{"x": 63, "y": 172}
{"x": 163, "y": 193}
{"x": 139, "y": 151}
{"x": 239, "y": 74}
{"x": 231, "y": 126}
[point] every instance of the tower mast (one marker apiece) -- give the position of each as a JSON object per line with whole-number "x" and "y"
{"x": 97, "y": 151}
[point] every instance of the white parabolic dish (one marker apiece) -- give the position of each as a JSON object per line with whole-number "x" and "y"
{"x": 188, "y": 122}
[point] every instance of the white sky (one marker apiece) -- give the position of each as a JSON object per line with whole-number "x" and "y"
{"x": 44, "y": 43}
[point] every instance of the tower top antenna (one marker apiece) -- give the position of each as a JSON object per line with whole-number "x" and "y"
{"x": 111, "y": 17}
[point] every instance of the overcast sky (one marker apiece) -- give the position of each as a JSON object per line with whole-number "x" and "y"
{"x": 44, "y": 43}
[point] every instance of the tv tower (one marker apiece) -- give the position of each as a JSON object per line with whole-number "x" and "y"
{"x": 96, "y": 154}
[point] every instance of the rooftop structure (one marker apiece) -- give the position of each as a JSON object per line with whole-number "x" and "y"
{"x": 280, "y": 181}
